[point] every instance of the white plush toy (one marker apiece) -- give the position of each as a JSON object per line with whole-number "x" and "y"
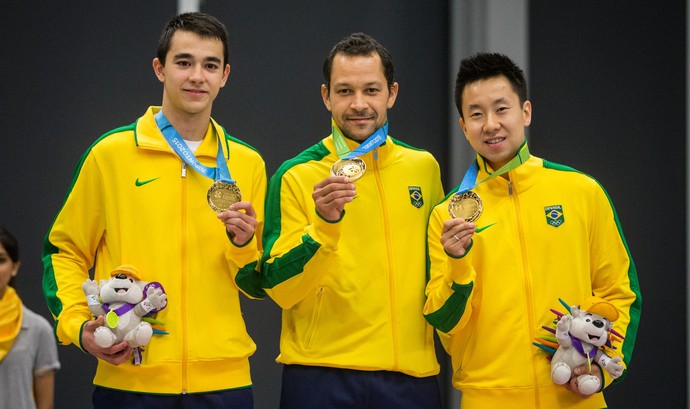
{"x": 123, "y": 300}
{"x": 581, "y": 336}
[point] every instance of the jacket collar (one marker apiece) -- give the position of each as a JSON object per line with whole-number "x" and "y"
{"x": 521, "y": 178}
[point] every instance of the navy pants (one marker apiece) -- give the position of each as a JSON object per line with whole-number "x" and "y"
{"x": 317, "y": 387}
{"x": 232, "y": 399}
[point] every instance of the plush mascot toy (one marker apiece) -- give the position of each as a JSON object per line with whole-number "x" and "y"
{"x": 581, "y": 337}
{"x": 125, "y": 301}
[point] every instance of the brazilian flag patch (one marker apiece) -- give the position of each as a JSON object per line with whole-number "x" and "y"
{"x": 554, "y": 215}
{"x": 416, "y": 197}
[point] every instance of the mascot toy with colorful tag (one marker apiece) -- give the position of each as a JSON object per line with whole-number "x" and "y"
{"x": 581, "y": 337}
{"x": 126, "y": 302}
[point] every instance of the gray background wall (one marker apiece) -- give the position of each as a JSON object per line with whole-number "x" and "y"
{"x": 607, "y": 80}
{"x": 609, "y": 89}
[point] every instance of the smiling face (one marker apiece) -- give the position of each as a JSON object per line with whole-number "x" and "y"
{"x": 192, "y": 74}
{"x": 8, "y": 269}
{"x": 359, "y": 96}
{"x": 121, "y": 288}
{"x": 493, "y": 119}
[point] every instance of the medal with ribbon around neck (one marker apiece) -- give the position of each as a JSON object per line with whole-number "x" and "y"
{"x": 465, "y": 203}
{"x": 224, "y": 192}
{"x": 350, "y": 164}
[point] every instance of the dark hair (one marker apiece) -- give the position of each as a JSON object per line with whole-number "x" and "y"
{"x": 8, "y": 241}
{"x": 204, "y": 25}
{"x": 488, "y": 65}
{"x": 359, "y": 44}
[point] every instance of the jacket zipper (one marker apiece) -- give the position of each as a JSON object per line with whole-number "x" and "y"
{"x": 526, "y": 281}
{"x": 389, "y": 273}
{"x": 183, "y": 264}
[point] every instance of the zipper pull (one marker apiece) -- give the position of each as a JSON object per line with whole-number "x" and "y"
{"x": 184, "y": 170}
{"x": 510, "y": 187}
{"x": 376, "y": 154}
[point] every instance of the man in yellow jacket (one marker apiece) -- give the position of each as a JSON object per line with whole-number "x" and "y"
{"x": 516, "y": 235}
{"x": 344, "y": 258}
{"x": 179, "y": 199}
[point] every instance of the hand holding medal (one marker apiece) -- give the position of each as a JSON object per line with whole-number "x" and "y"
{"x": 240, "y": 222}
{"x": 456, "y": 236}
{"x": 331, "y": 195}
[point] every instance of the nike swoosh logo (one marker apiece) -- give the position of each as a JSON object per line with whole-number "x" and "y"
{"x": 143, "y": 182}
{"x": 481, "y": 229}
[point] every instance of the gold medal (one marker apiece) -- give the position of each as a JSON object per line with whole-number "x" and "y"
{"x": 222, "y": 195}
{"x": 467, "y": 206}
{"x": 111, "y": 319}
{"x": 353, "y": 168}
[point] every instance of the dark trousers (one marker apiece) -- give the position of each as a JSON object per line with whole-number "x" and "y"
{"x": 233, "y": 399}
{"x": 317, "y": 387}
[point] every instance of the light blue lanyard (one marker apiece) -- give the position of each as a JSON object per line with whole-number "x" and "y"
{"x": 220, "y": 172}
{"x": 372, "y": 142}
{"x": 469, "y": 180}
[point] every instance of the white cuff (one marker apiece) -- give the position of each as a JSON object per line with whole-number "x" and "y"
{"x": 147, "y": 306}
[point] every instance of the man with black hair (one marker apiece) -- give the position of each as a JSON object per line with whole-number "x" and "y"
{"x": 519, "y": 233}
{"x": 344, "y": 257}
{"x": 177, "y": 197}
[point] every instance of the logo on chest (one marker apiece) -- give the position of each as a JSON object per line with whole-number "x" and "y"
{"x": 416, "y": 197}
{"x": 554, "y": 215}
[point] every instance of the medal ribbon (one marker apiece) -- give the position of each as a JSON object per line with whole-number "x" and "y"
{"x": 468, "y": 181}
{"x": 577, "y": 344}
{"x": 123, "y": 309}
{"x": 219, "y": 173}
{"x": 372, "y": 142}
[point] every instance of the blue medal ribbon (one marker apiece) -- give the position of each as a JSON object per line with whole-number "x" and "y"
{"x": 469, "y": 180}
{"x": 372, "y": 142}
{"x": 180, "y": 147}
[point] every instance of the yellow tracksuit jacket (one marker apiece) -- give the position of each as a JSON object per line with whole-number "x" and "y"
{"x": 546, "y": 232}
{"x": 352, "y": 291}
{"x": 133, "y": 201}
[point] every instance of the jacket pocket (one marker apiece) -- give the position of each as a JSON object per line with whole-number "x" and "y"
{"x": 315, "y": 318}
